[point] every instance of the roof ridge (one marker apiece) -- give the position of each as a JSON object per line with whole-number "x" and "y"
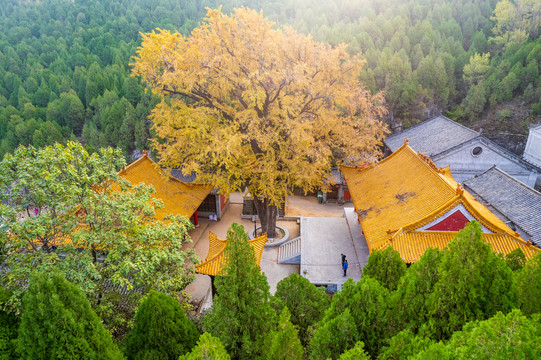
{"x": 432, "y": 119}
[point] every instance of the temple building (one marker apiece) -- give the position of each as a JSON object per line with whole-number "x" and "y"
{"x": 179, "y": 198}
{"x": 467, "y": 152}
{"x": 407, "y": 202}
{"x": 516, "y": 204}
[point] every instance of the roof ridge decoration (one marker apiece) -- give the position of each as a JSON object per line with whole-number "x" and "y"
{"x": 214, "y": 263}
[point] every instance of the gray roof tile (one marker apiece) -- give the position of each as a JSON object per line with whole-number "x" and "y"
{"x": 432, "y": 136}
{"x": 515, "y": 200}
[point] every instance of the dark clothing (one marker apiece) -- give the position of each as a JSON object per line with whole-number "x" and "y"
{"x": 343, "y": 259}
{"x": 345, "y": 267}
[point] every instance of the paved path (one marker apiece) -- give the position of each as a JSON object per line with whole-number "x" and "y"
{"x": 323, "y": 240}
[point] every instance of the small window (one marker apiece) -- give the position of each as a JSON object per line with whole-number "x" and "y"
{"x": 477, "y": 151}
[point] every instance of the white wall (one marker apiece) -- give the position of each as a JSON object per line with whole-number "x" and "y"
{"x": 465, "y": 165}
{"x": 532, "y": 152}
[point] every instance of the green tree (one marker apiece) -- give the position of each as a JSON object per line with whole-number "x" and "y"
{"x": 529, "y": 286}
{"x": 306, "y": 302}
{"x": 409, "y": 304}
{"x": 284, "y": 343}
{"x": 334, "y": 336}
{"x": 161, "y": 329}
{"x": 357, "y": 353}
{"x": 473, "y": 284}
{"x": 385, "y": 266}
{"x": 404, "y": 345}
{"x": 242, "y": 315}
{"x": 58, "y": 323}
{"x": 502, "y": 337}
{"x": 207, "y": 348}
{"x": 367, "y": 301}
{"x": 9, "y": 325}
{"x": 515, "y": 259}
{"x": 74, "y": 203}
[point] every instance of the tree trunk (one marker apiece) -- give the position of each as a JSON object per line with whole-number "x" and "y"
{"x": 267, "y": 215}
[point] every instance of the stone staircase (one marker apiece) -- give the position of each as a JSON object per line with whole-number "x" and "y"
{"x": 290, "y": 252}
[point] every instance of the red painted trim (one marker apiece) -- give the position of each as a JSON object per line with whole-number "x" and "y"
{"x": 455, "y": 222}
{"x": 196, "y": 222}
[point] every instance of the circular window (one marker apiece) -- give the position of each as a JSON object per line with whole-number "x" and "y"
{"x": 477, "y": 151}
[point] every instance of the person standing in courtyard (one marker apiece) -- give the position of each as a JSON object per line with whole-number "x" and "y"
{"x": 345, "y": 267}
{"x": 343, "y": 259}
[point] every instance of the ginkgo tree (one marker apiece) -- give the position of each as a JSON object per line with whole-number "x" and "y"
{"x": 246, "y": 104}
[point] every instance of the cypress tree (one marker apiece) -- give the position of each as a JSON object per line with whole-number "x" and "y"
{"x": 242, "y": 315}
{"x": 306, "y": 302}
{"x": 386, "y": 267}
{"x": 9, "y": 323}
{"x": 161, "y": 330}
{"x": 58, "y": 323}
{"x": 334, "y": 336}
{"x": 284, "y": 341}
{"x": 208, "y": 347}
{"x": 474, "y": 284}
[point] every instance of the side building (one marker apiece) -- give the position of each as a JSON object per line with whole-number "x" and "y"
{"x": 179, "y": 198}
{"x": 407, "y": 202}
{"x": 516, "y": 204}
{"x": 467, "y": 152}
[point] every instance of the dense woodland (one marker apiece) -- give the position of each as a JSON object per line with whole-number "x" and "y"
{"x": 64, "y": 66}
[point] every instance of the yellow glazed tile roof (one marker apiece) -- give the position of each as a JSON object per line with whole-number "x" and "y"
{"x": 215, "y": 261}
{"x": 406, "y": 191}
{"x": 412, "y": 245}
{"x": 179, "y": 198}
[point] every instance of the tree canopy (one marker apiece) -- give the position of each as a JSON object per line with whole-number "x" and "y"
{"x": 66, "y": 209}
{"x": 58, "y": 323}
{"x": 244, "y": 103}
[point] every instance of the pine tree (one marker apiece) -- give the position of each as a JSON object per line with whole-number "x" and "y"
{"x": 58, "y": 323}
{"x": 242, "y": 315}
{"x": 161, "y": 330}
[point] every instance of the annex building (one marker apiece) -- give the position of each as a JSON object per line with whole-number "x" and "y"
{"x": 179, "y": 198}
{"x": 407, "y": 202}
{"x": 467, "y": 152}
{"x": 516, "y": 204}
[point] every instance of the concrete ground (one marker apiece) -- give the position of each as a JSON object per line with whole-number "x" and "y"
{"x": 297, "y": 206}
{"x": 324, "y": 239}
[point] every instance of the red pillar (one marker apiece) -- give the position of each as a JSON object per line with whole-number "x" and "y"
{"x": 196, "y": 223}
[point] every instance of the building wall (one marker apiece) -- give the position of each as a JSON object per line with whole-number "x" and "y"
{"x": 465, "y": 164}
{"x": 532, "y": 152}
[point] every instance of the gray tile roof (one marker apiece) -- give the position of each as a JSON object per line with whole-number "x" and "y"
{"x": 515, "y": 200}
{"x": 432, "y": 136}
{"x": 177, "y": 173}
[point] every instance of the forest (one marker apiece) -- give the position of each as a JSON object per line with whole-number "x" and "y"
{"x": 65, "y": 65}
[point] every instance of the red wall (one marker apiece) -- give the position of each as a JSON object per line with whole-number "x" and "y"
{"x": 455, "y": 222}
{"x": 223, "y": 201}
{"x": 347, "y": 195}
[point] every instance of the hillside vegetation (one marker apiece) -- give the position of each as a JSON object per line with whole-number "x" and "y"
{"x": 64, "y": 66}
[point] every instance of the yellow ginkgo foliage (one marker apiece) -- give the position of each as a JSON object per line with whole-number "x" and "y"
{"x": 247, "y": 104}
